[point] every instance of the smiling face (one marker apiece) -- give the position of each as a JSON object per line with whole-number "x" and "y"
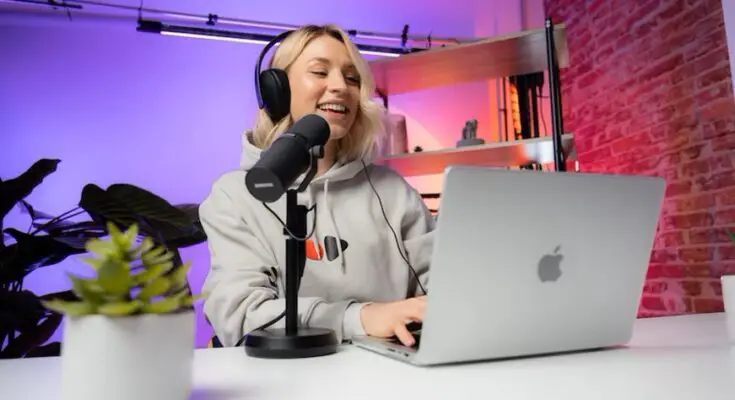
{"x": 324, "y": 80}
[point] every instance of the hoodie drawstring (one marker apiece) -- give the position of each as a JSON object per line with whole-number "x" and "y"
{"x": 314, "y": 236}
{"x": 334, "y": 225}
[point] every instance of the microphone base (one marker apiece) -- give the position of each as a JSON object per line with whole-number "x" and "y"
{"x": 304, "y": 343}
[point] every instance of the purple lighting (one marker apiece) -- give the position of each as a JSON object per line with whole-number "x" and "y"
{"x": 167, "y": 113}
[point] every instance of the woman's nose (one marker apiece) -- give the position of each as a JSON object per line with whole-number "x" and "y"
{"x": 336, "y": 82}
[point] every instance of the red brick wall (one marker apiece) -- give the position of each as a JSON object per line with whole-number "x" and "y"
{"x": 648, "y": 91}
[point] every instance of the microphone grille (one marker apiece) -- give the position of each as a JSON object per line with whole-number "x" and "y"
{"x": 313, "y": 128}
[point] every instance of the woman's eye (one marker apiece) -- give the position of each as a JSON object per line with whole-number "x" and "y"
{"x": 320, "y": 73}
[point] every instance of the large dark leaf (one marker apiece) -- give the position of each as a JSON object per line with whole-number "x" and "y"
{"x": 52, "y": 349}
{"x": 166, "y": 220}
{"x": 74, "y": 234}
{"x": 29, "y": 340}
{"x": 27, "y": 208}
{"x": 104, "y": 207}
{"x": 196, "y": 236}
{"x": 30, "y": 253}
{"x": 20, "y": 311}
{"x": 16, "y": 189}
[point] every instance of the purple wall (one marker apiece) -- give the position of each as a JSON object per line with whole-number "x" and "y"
{"x": 98, "y": 96}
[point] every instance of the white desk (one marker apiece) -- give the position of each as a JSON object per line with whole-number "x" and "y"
{"x": 671, "y": 358}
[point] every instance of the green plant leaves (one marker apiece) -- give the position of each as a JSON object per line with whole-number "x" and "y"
{"x": 178, "y": 276}
{"x": 117, "y": 290}
{"x": 71, "y": 308}
{"x": 154, "y": 288}
{"x": 87, "y": 289}
{"x": 166, "y": 304}
{"x": 120, "y": 308}
{"x": 113, "y": 277}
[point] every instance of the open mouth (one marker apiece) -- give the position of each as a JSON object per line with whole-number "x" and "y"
{"x": 334, "y": 108}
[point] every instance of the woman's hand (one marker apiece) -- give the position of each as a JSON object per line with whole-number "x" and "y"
{"x": 388, "y": 319}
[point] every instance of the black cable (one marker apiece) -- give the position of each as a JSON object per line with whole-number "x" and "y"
{"x": 285, "y": 227}
{"x": 395, "y": 236}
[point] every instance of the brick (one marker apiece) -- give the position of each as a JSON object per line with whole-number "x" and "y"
{"x": 697, "y": 254}
{"x": 688, "y": 221}
{"x": 727, "y": 268}
{"x": 714, "y": 181}
{"x": 698, "y": 271}
{"x": 708, "y": 305}
{"x": 726, "y": 252}
{"x": 655, "y": 287}
{"x": 715, "y": 59}
{"x": 652, "y": 303}
{"x": 664, "y": 256}
{"x": 709, "y": 235}
{"x": 692, "y": 288}
{"x": 713, "y": 77}
{"x": 719, "y": 163}
{"x": 718, "y": 127}
{"x": 726, "y": 197}
{"x": 723, "y": 143}
{"x": 697, "y": 202}
{"x": 678, "y": 188}
{"x": 725, "y": 217}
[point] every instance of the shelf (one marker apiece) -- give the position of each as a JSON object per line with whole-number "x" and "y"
{"x": 497, "y": 154}
{"x": 495, "y": 57}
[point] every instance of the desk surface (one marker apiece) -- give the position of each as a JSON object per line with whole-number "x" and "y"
{"x": 683, "y": 357}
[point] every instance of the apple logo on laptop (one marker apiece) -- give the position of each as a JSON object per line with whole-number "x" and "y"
{"x": 549, "y": 266}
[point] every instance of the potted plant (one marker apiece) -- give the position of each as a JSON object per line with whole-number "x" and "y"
{"x": 130, "y": 333}
{"x": 25, "y": 324}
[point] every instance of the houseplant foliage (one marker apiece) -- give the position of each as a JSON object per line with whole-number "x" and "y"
{"x": 129, "y": 279}
{"x": 25, "y": 324}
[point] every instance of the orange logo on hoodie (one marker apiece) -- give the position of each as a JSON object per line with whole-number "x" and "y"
{"x": 330, "y": 248}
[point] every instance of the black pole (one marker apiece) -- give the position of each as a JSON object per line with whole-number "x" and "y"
{"x": 557, "y": 127}
{"x": 295, "y": 258}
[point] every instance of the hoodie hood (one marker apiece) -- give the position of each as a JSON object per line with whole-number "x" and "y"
{"x": 319, "y": 186}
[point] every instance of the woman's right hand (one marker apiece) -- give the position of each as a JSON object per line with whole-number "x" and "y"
{"x": 388, "y": 319}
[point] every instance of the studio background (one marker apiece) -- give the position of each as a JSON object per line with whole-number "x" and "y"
{"x": 649, "y": 91}
{"x": 167, "y": 113}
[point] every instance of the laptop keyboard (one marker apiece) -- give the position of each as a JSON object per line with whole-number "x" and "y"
{"x": 416, "y": 337}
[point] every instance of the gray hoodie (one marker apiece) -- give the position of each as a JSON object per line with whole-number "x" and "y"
{"x": 245, "y": 284}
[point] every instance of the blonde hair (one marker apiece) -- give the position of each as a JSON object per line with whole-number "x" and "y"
{"x": 369, "y": 120}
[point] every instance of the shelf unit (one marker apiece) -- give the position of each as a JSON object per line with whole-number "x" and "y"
{"x": 497, "y": 154}
{"x": 500, "y": 56}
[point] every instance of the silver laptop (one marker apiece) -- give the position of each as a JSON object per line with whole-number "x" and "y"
{"x": 532, "y": 263}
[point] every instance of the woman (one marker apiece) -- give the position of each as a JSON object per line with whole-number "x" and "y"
{"x": 356, "y": 281}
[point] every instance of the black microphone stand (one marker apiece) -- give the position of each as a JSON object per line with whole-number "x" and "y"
{"x": 294, "y": 341}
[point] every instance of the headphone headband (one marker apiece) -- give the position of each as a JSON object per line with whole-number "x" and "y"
{"x": 278, "y": 38}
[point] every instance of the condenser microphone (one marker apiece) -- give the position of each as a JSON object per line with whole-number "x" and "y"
{"x": 290, "y": 155}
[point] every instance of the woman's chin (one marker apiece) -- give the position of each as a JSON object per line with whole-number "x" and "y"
{"x": 336, "y": 131}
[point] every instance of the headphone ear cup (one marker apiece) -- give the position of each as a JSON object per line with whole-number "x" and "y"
{"x": 275, "y": 93}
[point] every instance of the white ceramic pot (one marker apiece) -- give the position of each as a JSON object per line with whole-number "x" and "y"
{"x": 728, "y": 298}
{"x": 138, "y": 357}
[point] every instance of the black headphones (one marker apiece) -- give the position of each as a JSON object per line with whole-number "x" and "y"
{"x": 271, "y": 85}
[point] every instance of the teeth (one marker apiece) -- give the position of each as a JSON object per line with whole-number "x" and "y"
{"x": 333, "y": 107}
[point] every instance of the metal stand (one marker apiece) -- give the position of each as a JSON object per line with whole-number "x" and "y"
{"x": 557, "y": 127}
{"x": 293, "y": 341}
